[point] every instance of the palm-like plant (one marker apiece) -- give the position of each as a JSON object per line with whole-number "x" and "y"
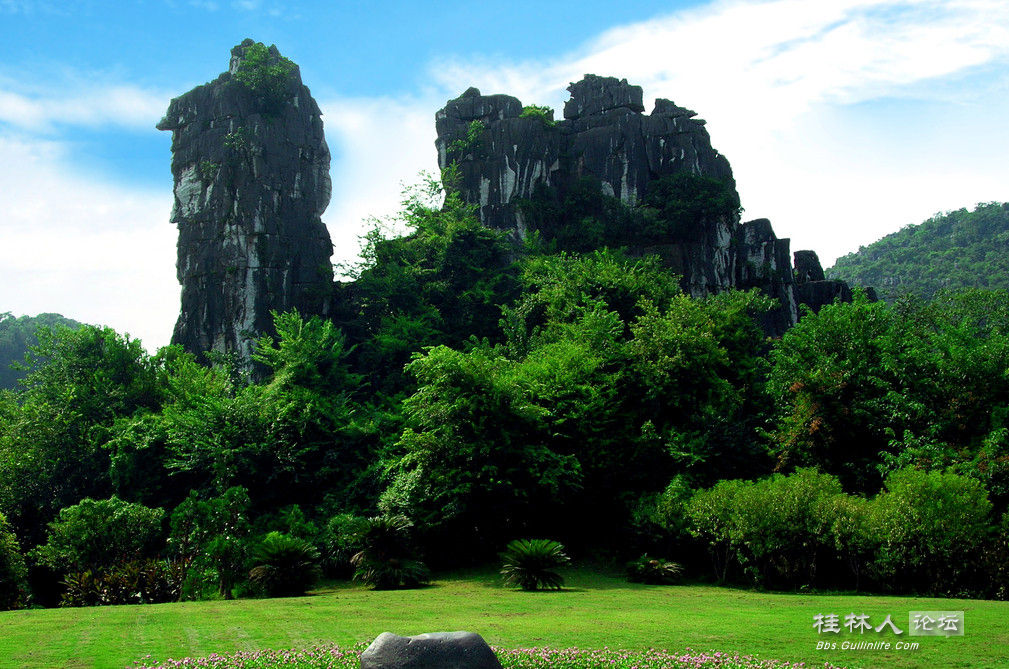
{"x": 285, "y": 566}
{"x": 654, "y": 571}
{"x": 385, "y": 561}
{"x": 530, "y": 564}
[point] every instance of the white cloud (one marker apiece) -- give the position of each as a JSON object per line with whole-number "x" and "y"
{"x": 92, "y": 251}
{"x": 82, "y": 105}
{"x": 761, "y": 72}
{"x": 378, "y": 146}
{"x": 794, "y": 91}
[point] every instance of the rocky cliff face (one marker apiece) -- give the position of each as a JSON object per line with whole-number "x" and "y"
{"x": 251, "y": 170}
{"x": 504, "y": 156}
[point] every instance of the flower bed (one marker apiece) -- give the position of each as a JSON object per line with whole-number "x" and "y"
{"x": 333, "y": 657}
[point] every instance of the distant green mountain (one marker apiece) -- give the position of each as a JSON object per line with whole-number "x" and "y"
{"x": 955, "y": 250}
{"x": 16, "y": 335}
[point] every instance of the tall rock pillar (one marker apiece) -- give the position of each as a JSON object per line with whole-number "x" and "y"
{"x": 251, "y": 170}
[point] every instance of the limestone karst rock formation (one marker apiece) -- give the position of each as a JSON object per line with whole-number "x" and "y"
{"x": 251, "y": 170}
{"x": 503, "y": 156}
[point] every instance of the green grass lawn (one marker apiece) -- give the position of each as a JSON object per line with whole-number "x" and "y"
{"x": 595, "y": 611}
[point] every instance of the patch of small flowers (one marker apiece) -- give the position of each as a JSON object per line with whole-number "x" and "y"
{"x": 575, "y": 658}
{"x": 316, "y": 657}
{"x": 334, "y": 657}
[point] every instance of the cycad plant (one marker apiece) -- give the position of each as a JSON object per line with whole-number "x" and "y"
{"x": 386, "y": 561}
{"x": 530, "y": 564}
{"x": 285, "y": 566}
{"x": 654, "y": 571}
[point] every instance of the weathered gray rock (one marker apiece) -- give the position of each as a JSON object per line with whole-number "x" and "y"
{"x": 763, "y": 261}
{"x": 606, "y": 137}
{"x": 251, "y": 170}
{"x": 438, "y": 650}
{"x": 595, "y": 95}
{"x": 812, "y": 288}
{"x": 502, "y": 159}
{"x": 808, "y": 267}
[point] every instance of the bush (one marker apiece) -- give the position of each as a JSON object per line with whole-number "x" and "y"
{"x": 659, "y": 521}
{"x": 265, "y": 72}
{"x": 654, "y": 571}
{"x": 530, "y": 564}
{"x": 385, "y": 561}
{"x": 100, "y": 533}
{"x": 137, "y": 582}
{"x": 928, "y": 526}
{"x": 211, "y": 538}
{"x": 777, "y": 528}
{"x": 285, "y": 566}
{"x": 541, "y": 112}
{"x": 340, "y": 541}
{"x": 711, "y": 520}
{"x": 13, "y": 574}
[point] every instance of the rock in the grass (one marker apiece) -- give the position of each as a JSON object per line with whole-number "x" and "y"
{"x": 437, "y": 650}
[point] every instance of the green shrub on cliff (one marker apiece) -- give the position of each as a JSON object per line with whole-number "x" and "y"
{"x": 264, "y": 71}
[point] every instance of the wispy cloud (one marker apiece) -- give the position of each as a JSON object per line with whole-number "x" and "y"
{"x": 795, "y": 93}
{"x": 87, "y": 249}
{"x": 378, "y": 146}
{"x": 79, "y": 104}
{"x": 774, "y": 59}
{"x": 767, "y": 75}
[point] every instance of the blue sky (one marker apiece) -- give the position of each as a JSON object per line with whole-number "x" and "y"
{"x": 844, "y": 120}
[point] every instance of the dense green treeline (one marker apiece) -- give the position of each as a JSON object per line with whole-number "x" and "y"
{"x": 466, "y": 395}
{"x": 951, "y": 251}
{"x": 17, "y": 334}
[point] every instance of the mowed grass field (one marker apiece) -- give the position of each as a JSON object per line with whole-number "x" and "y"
{"x": 594, "y": 611}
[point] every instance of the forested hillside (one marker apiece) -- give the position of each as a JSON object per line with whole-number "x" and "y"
{"x": 467, "y": 396}
{"x": 955, "y": 250}
{"x": 16, "y": 335}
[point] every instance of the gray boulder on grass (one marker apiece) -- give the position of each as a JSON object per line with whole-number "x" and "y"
{"x": 437, "y": 650}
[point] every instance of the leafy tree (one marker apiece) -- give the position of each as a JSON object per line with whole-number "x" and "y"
{"x": 542, "y": 113}
{"x": 341, "y": 541}
{"x": 473, "y": 457}
{"x": 837, "y": 378}
{"x": 864, "y": 386}
{"x": 582, "y": 218}
{"x": 211, "y": 538}
{"x": 681, "y": 202}
{"x": 265, "y": 72}
{"x": 609, "y": 383}
{"x": 711, "y": 520}
{"x": 17, "y": 335}
{"x": 52, "y": 447}
{"x": 440, "y": 284}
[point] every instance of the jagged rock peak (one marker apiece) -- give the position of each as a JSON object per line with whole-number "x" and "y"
{"x": 251, "y": 171}
{"x": 595, "y": 95}
{"x": 508, "y": 160}
{"x": 808, "y": 267}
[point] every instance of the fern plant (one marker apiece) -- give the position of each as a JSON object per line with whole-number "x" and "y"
{"x": 530, "y": 564}
{"x": 285, "y": 566}
{"x": 385, "y": 561}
